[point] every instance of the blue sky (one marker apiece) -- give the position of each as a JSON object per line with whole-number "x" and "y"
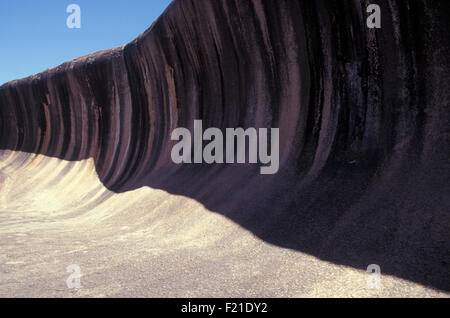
{"x": 34, "y": 35}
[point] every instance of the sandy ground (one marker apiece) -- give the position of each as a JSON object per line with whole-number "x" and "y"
{"x": 147, "y": 243}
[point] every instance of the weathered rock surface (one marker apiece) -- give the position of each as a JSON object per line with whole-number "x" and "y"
{"x": 364, "y": 136}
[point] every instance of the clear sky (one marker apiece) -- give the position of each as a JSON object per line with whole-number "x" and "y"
{"x": 34, "y": 35}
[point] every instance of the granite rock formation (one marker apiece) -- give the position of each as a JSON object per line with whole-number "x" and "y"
{"x": 363, "y": 116}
